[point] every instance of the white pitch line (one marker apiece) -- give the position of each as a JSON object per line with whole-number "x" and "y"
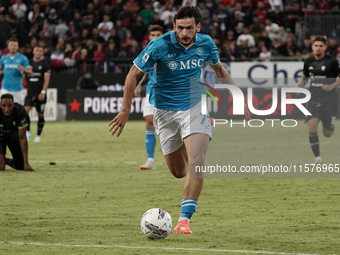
{"x": 130, "y": 162}
{"x": 152, "y": 248}
{"x": 58, "y": 161}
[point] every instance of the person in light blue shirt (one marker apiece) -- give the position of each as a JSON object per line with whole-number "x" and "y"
{"x": 183, "y": 132}
{"x": 13, "y": 66}
{"x": 148, "y": 108}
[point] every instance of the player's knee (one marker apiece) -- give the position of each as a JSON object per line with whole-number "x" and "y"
{"x": 328, "y": 134}
{"x": 178, "y": 171}
{"x": 179, "y": 175}
{"x": 2, "y": 167}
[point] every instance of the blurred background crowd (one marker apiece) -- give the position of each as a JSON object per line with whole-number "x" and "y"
{"x": 106, "y": 35}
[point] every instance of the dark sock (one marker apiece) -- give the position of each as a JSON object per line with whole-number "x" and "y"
{"x": 28, "y": 123}
{"x": 9, "y": 162}
{"x": 314, "y": 143}
{"x": 41, "y": 123}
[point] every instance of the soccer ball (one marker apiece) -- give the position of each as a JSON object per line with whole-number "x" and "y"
{"x": 156, "y": 223}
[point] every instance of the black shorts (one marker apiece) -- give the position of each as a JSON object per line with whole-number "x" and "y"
{"x": 35, "y": 102}
{"x": 324, "y": 112}
{"x": 12, "y": 141}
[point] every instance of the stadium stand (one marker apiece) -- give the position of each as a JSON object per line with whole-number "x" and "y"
{"x": 106, "y": 35}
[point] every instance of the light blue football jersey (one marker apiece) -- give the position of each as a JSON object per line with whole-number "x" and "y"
{"x": 176, "y": 66}
{"x": 151, "y": 86}
{"x": 12, "y": 80}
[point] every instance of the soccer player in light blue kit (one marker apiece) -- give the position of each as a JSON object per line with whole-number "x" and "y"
{"x": 13, "y": 65}
{"x": 149, "y": 78}
{"x": 179, "y": 56}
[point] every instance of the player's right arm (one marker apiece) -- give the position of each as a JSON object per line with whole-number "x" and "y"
{"x": 1, "y": 65}
{"x": 143, "y": 82}
{"x": 120, "y": 120}
{"x": 142, "y": 64}
{"x": 303, "y": 81}
{"x": 305, "y": 76}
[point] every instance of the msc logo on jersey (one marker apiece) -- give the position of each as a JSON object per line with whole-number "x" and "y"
{"x": 172, "y": 65}
{"x": 188, "y": 64}
{"x": 11, "y": 66}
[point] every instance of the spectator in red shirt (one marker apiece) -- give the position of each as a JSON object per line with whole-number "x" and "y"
{"x": 261, "y": 12}
{"x": 133, "y": 7}
{"x": 99, "y": 56}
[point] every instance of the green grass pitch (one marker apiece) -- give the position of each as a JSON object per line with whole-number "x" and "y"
{"x": 95, "y": 194}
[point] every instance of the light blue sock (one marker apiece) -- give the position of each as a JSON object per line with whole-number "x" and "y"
{"x": 150, "y": 143}
{"x": 188, "y": 209}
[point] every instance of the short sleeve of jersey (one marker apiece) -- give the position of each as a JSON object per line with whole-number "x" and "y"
{"x": 25, "y": 62}
{"x": 21, "y": 116}
{"x": 214, "y": 56}
{"x": 147, "y": 58}
{"x": 305, "y": 68}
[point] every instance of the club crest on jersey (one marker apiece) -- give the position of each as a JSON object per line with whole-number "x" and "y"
{"x": 39, "y": 67}
{"x": 310, "y": 68}
{"x": 323, "y": 68}
{"x": 172, "y": 65}
{"x": 199, "y": 51}
{"x": 145, "y": 57}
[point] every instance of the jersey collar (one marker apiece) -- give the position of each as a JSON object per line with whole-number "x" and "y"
{"x": 177, "y": 44}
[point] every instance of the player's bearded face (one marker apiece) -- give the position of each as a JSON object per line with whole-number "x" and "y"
{"x": 7, "y": 106}
{"x": 186, "y": 30}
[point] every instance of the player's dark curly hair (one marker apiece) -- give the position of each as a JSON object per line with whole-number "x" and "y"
{"x": 320, "y": 38}
{"x": 188, "y": 11}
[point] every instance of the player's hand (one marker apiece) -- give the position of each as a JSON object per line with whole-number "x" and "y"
{"x": 28, "y": 168}
{"x": 119, "y": 122}
{"x": 327, "y": 87}
{"x": 138, "y": 90}
{"x": 41, "y": 97}
{"x": 21, "y": 67}
{"x": 246, "y": 112}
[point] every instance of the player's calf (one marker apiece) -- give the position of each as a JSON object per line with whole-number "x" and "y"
{"x": 177, "y": 162}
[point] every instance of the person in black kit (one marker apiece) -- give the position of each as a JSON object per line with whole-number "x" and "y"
{"x": 37, "y": 85}
{"x": 13, "y": 122}
{"x": 323, "y": 71}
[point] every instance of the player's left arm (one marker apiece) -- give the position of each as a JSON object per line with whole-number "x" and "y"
{"x": 329, "y": 87}
{"x": 47, "y": 77}
{"x": 24, "y": 147}
{"x": 224, "y": 77}
{"x": 27, "y": 70}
